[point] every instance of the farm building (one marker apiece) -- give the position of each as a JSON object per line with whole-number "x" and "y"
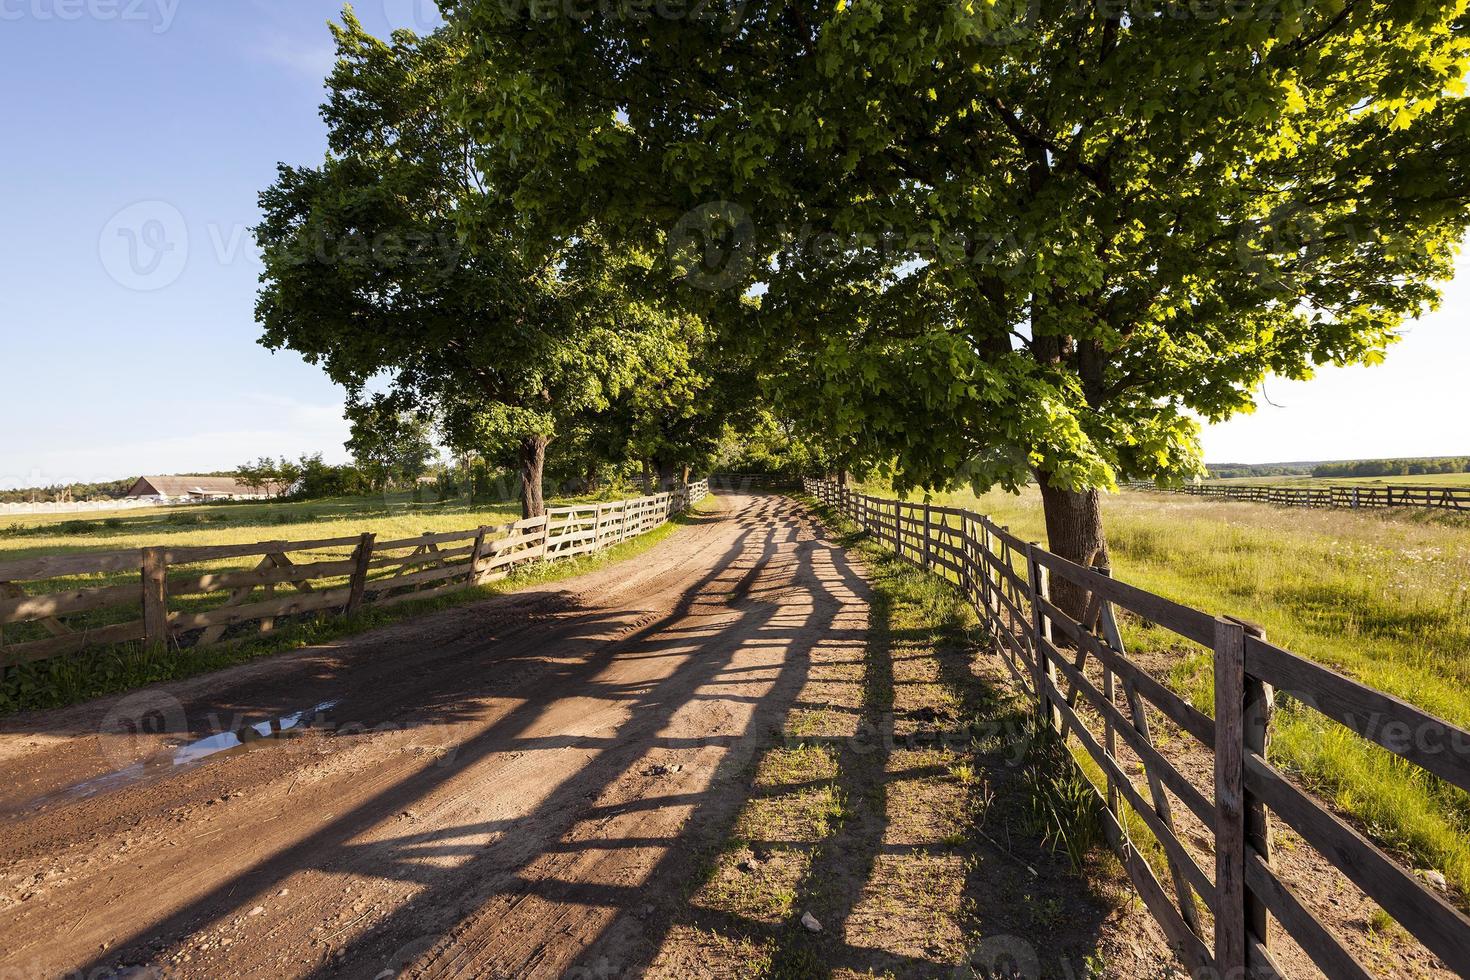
{"x": 194, "y": 489}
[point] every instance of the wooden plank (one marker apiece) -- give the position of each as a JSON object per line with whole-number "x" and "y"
{"x": 1175, "y": 708}
{"x": 271, "y": 573}
{"x": 423, "y": 539}
{"x": 191, "y": 554}
{"x": 1167, "y": 836}
{"x": 501, "y": 559}
{"x": 1438, "y": 925}
{"x": 23, "y": 608}
{"x": 1185, "y": 621}
{"x": 1152, "y": 759}
{"x": 1409, "y": 732}
{"x": 59, "y": 566}
{"x": 1161, "y": 805}
{"x": 56, "y": 646}
{"x": 51, "y": 624}
{"x": 155, "y": 597}
{"x": 1305, "y": 929}
{"x": 458, "y": 569}
{"x": 508, "y": 544}
{"x": 1189, "y": 947}
{"x": 420, "y": 595}
{"x": 282, "y": 606}
{"x": 1229, "y": 824}
{"x": 424, "y": 557}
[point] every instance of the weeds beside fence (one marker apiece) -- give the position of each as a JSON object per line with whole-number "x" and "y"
{"x": 1221, "y": 920}
{"x": 1440, "y": 498}
{"x": 175, "y": 601}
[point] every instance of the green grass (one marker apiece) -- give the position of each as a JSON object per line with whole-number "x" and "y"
{"x": 1383, "y": 597}
{"x": 390, "y": 516}
{"x": 1425, "y": 480}
{"x": 67, "y": 680}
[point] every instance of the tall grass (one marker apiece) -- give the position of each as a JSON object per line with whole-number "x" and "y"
{"x": 1382, "y": 596}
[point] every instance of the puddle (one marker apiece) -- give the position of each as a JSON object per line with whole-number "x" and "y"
{"x": 192, "y": 753}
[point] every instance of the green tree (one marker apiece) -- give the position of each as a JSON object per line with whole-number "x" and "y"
{"x": 263, "y": 476}
{"x": 1027, "y": 239}
{"x": 367, "y": 271}
{"x": 674, "y": 417}
{"x": 389, "y": 446}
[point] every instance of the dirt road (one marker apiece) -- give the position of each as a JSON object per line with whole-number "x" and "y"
{"x": 510, "y": 788}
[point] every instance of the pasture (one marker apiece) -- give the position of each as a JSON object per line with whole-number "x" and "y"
{"x": 1382, "y": 596}
{"x": 1423, "y": 480}
{"x": 239, "y": 523}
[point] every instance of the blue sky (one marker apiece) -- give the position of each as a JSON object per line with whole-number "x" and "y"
{"x": 134, "y": 123}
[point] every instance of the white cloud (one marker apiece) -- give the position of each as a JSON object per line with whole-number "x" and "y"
{"x": 313, "y": 59}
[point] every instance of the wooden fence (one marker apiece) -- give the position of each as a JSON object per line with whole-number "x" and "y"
{"x": 1442, "y": 498}
{"x": 1222, "y": 923}
{"x": 175, "y": 602}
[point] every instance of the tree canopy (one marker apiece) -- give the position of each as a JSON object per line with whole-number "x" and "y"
{"x": 1013, "y": 240}
{"x": 371, "y": 273}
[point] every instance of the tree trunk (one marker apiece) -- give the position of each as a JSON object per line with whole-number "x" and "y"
{"x": 647, "y": 477}
{"x": 533, "y": 459}
{"x": 1074, "y": 531}
{"x": 842, "y": 478}
{"x": 666, "y": 473}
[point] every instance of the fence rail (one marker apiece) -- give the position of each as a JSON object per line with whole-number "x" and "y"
{"x": 1221, "y": 915}
{"x": 1441, "y": 498}
{"x": 332, "y": 576}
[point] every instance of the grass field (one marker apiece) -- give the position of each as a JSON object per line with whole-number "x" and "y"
{"x": 65, "y": 680}
{"x": 197, "y": 524}
{"x": 1428, "y": 480}
{"x": 1382, "y": 596}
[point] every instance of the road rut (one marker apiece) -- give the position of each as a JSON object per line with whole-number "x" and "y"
{"x": 514, "y": 787}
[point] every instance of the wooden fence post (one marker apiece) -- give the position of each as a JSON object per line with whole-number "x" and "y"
{"x": 926, "y": 556}
{"x": 364, "y": 557}
{"x": 1258, "y": 709}
{"x": 1230, "y": 842}
{"x": 155, "y": 598}
{"x": 1110, "y": 736}
{"x": 1038, "y": 579}
{"x": 991, "y": 615}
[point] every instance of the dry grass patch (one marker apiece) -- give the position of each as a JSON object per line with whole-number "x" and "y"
{"x": 792, "y": 766}
{"x": 691, "y": 951}
{"x": 913, "y": 905}
{"x": 758, "y": 885}
{"x": 929, "y": 803}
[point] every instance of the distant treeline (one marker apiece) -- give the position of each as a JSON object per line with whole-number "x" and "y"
{"x": 1394, "y": 467}
{"x": 105, "y": 490}
{"x": 1231, "y": 471}
{"x": 109, "y": 490}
